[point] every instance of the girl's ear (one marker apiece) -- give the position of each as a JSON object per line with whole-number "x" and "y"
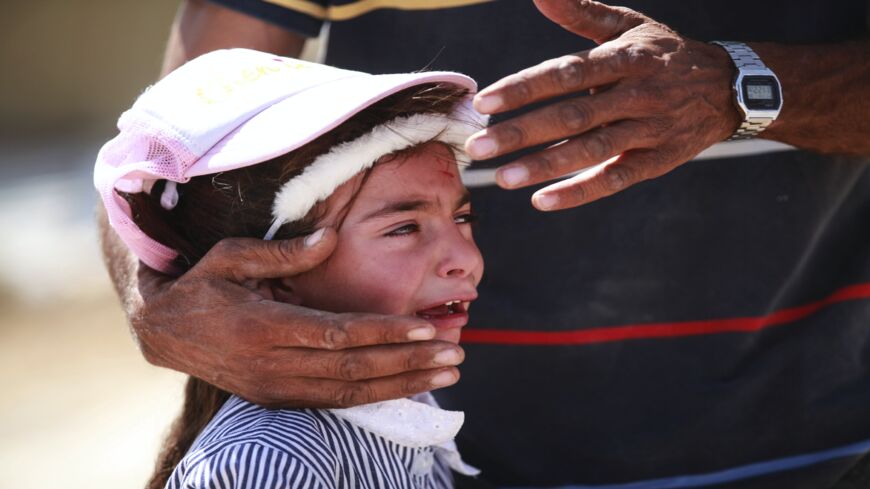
{"x": 282, "y": 290}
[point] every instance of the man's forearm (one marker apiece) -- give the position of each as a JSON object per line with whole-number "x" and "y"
{"x": 122, "y": 266}
{"x": 201, "y": 26}
{"x": 826, "y": 96}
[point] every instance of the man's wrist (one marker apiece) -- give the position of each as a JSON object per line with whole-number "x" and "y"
{"x": 757, "y": 92}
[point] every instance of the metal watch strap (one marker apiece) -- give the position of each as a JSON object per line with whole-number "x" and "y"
{"x": 745, "y": 58}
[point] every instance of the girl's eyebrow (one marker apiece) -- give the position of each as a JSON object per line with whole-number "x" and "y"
{"x": 399, "y": 206}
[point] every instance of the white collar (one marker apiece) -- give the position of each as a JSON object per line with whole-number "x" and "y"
{"x": 412, "y": 422}
{"x": 416, "y": 422}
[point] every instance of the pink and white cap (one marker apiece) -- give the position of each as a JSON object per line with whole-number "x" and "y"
{"x": 225, "y": 110}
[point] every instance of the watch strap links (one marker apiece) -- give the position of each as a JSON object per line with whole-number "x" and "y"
{"x": 742, "y": 55}
{"x": 744, "y": 58}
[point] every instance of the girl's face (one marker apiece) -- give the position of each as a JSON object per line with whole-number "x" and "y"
{"x": 404, "y": 247}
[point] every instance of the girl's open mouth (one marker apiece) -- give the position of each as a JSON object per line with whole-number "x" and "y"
{"x": 451, "y": 314}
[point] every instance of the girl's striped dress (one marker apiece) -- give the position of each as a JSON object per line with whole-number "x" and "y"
{"x": 406, "y": 443}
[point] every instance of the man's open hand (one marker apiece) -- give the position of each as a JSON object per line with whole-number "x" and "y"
{"x": 220, "y": 322}
{"x": 657, "y": 100}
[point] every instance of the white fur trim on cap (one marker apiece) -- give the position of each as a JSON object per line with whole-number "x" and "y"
{"x": 328, "y": 171}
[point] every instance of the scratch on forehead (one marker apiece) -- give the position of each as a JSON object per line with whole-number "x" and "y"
{"x": 448, "y": 169}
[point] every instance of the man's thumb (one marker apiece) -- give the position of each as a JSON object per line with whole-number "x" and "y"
{"x": 240, "y": 259}
{"x": 589, "y": 19}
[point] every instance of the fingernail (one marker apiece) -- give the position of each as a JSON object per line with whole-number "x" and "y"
{"x": 482, "y": 147}
{"x": 489, "y": 103}
{"x": 443, "y": 379}
{"x": 447, "y": 357}
{"x": 420, "y": 334}
{"x": 314, "y": 238}
{"x": 513, "y": 175}
{"x": 546, "y": 201}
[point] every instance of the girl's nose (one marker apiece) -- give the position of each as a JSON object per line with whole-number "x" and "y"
{"x": 461, "y": 257}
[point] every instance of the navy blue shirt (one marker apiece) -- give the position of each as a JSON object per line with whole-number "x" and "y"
{"x": 711, "y": 326}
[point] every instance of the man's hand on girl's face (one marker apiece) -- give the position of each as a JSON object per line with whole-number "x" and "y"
{"x": 212, "y": 323}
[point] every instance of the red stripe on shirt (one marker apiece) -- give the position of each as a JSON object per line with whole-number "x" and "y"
{"x": 663, "y": 330}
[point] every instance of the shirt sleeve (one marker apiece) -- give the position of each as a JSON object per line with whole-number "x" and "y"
{"x": 301, "y": 16}
{"x": 253, "y": 466}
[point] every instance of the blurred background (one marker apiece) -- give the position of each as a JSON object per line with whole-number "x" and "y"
{"x": 80, "y": 408}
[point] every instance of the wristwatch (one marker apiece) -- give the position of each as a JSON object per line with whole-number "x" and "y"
{"x": 757, "y": 91}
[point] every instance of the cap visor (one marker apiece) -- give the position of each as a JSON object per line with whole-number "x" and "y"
{"x": 303, "y": 117}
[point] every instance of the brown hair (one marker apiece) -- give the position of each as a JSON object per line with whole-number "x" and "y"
{"x": 238, "y": 203}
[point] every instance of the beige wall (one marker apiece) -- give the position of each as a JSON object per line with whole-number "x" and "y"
{"x": 76, "y": 64}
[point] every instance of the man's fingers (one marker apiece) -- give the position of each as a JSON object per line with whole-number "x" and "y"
{"x": 394, "y": 387}
{"x": 327, "y": 393}
{"x": 599, "y": 67}
{"x": 603, "y": 180}
{"x": 285, "y": 325}
{"x": 592, "y": 20}
{"x": 548, "y": 124}
{"x": 566, "y": 74}
{"x": 563, "y": 159}
{"x": 240, "y": 259}
{"x": 604, "y": 65}
{"x": 355, "y": 364}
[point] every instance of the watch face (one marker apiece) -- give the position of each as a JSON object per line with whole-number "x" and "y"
{"x": 761, "y": 92}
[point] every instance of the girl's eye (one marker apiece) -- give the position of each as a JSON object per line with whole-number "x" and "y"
{"x": 466, "y": 218}
{"x": 404, "y": 230}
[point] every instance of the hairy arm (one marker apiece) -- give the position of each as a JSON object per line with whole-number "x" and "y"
{"x": 826, "y": 94}
{"x": 122, "y": 266}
